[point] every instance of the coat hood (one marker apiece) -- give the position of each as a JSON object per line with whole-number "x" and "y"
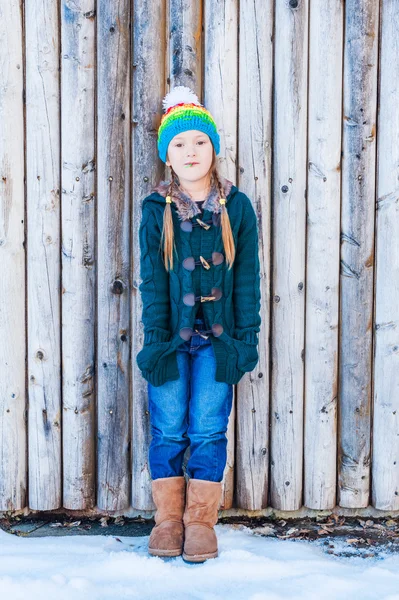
{"x": 186, "y": 207}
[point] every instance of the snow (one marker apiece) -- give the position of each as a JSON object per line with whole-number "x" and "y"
{"x": 249, "y": 567}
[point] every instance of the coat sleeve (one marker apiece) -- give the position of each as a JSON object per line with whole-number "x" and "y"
{"x": 246, "y": 293}
{"x": 154, "y": 286}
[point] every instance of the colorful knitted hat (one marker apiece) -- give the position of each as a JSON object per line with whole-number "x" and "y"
{"x": 183, "y": 111}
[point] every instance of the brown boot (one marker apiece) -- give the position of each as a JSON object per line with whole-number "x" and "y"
{"x": 166, "y": 537}
{"x": 200, "y": 515}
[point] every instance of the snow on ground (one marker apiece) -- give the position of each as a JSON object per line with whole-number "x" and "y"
{"x": 249, "y": 567}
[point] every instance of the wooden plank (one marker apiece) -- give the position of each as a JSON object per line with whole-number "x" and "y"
{"x": 385, "y": 482}
{"x": 252, "y": 444}
{"x": 185, "y": 46}
{"x": 184, "y": 63}
{"x": 221, "y": 99}
{"x": 289, "y": 218}
{"x": 13, "y": 480}
{"x": 228, "y": 482}
{"x": 113, "y": 239}
{"x": 78, "y": 252}
{"x": 357, "y": 253}
{"x": 221, "y": 78}
{"x": 148, "y": 91}
{"x": 43, "y": 257}
{"x": 323, "y": 254}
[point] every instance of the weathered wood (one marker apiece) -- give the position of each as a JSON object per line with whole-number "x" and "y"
{"x": 357, "y": 254}
{"x": 43, "y": 256}
{"x": 323, "y": 253}
{"x": 13, "y": 481}
{"x": 185, "y": 45}
{"x": 221, "y": 99}
{"x": 221, "y": 78}
{"x": 254, "y": 176}
{"x": 148, "y": 91}
{"x": 288, "y": 254}
{"x": 78, "y": 253}
{"x": 185, "y": 68}
{"x": 175, "y": 44}
{"x": 385, "y": 463}
{"x": 184, "y": 64}
{"x": 228, "y": 481}
{"x": 114, "y": 241}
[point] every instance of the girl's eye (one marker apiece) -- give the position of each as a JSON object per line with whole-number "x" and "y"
{"x": 200, "y": 142}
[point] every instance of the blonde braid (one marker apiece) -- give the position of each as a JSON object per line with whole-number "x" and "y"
{"x": 227, "y": 234}
{"x": 167, "y": 236}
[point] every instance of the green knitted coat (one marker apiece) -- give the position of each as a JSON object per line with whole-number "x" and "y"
{"x": 164, "y": 314}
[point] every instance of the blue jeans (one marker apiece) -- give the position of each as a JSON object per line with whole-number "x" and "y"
{"x": 192, "y": 410}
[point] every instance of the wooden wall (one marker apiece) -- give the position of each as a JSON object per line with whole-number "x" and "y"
{"x": 305, "y": 95}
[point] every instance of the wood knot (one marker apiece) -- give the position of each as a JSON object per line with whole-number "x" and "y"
{"x": 117, "y": 287}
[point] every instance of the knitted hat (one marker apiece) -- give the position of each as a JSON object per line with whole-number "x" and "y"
{"x": 183, "y": 111}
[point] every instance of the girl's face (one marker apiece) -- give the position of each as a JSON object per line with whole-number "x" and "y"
{"x": 190, "y": 155}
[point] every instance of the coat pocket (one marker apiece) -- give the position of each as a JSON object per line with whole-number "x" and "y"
{"x": 150, "y": 354}
{"x": 247, "y": 354}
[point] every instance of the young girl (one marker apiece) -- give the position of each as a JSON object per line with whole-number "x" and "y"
{"x": 201, "y": 301}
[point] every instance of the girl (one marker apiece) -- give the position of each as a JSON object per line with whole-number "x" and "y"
{"x": 201, "y": 301}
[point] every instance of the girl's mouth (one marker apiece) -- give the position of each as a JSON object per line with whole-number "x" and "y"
{"x": 191, "y": 164}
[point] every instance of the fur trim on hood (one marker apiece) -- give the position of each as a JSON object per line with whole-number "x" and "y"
{"x": 186, "y": 207}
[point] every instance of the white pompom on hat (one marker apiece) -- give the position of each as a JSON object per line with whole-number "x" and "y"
{"x": 178, "y": 95}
